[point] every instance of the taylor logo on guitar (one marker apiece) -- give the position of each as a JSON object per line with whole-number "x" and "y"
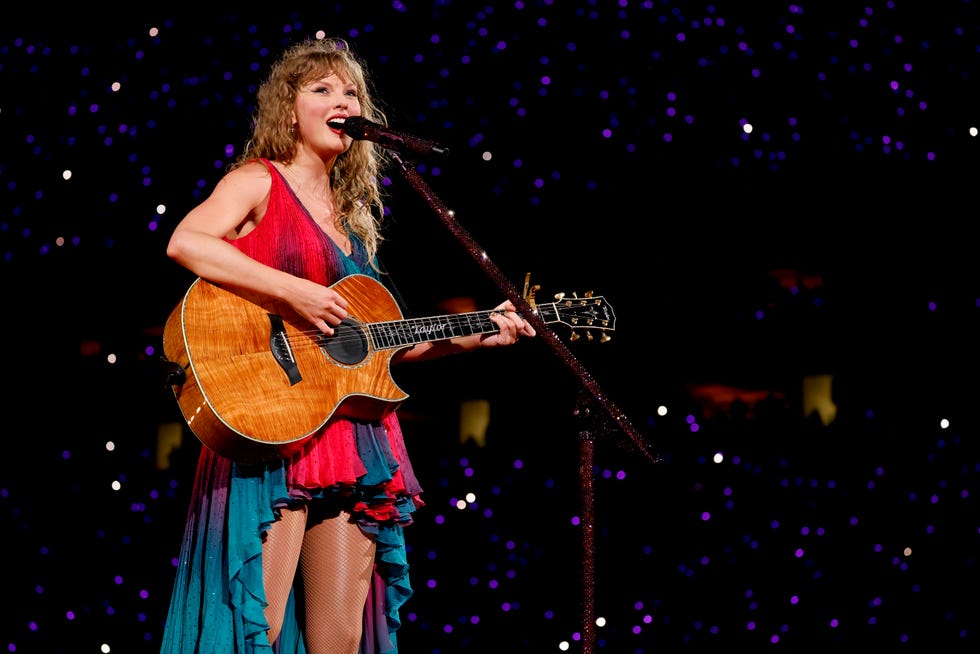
{"x": 256, "y": 381}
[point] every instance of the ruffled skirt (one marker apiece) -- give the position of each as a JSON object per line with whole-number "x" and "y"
{"x": 218, "y": 596}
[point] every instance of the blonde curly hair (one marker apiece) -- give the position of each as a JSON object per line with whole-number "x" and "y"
{"x": 355, "y": 177}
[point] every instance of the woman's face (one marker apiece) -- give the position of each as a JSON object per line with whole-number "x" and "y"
{"x": 318, "y": 103}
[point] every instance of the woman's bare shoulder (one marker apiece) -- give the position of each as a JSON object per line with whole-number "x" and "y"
{"x": 252, "y": 178}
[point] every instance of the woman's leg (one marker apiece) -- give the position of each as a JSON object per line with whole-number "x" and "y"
{"x": 280, "y": 555}
{"x": 337, "y": 563}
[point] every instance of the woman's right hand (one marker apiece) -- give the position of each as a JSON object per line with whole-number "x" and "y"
{"x": 322, "y": 306}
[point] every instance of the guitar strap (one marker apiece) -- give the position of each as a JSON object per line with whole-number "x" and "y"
{"x": 389, "y": 283}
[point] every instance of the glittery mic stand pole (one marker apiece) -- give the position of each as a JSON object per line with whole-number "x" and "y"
{"x": 590, "y": 397}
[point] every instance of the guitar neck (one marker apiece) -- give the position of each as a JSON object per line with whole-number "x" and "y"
{"x": 588, "y": 313}
{"x": 393, "y": 334}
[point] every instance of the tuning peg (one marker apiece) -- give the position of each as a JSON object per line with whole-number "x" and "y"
{"x": 559, "y": 296}
{"x": 530, "y": 291}
{"x": 605, "y": 338}
{"x": 574, "y": 337}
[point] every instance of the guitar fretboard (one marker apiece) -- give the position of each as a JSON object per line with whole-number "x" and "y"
{"x": 399, "y": 333}
{"x": 394, "y": 334}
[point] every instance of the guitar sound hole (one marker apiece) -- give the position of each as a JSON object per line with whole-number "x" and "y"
{"x": 348, "y": 345}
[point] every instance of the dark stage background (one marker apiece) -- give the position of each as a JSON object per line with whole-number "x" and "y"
{"x": 775, "y": 198}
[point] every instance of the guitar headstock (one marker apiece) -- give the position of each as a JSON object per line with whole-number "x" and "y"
{"x": 589, "y": 313}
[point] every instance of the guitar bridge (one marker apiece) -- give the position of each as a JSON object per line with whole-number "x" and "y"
{"x": 283, "y": 354}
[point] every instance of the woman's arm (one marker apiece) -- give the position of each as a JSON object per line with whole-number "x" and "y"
{"x": 233, "y": 209}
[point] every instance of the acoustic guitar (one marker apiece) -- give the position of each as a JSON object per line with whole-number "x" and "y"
{"x": 255, "y": 381}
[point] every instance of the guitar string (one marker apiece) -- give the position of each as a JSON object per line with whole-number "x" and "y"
{"x": 309, "y": 338}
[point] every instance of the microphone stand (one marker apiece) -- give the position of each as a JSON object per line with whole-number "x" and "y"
{"x": 590, "y": 398}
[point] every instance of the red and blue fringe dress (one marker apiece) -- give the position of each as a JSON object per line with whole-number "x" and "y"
{"x": 218, "y": 596}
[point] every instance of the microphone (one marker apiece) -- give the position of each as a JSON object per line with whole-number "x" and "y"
{"x": 358, "y": 128}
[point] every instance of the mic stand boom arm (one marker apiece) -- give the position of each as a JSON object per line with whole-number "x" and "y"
{"x": 590, "y": 395}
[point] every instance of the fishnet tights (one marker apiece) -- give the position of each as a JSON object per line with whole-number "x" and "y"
{"x": 336, "y": 560}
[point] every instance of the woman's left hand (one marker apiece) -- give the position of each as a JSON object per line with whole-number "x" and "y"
{"x": 512, "y": 326}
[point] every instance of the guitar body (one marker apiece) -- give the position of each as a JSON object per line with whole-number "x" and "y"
{"x": 261, "y": 379}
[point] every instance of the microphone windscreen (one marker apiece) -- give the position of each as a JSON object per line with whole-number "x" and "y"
{"x": 354, "y": 127}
